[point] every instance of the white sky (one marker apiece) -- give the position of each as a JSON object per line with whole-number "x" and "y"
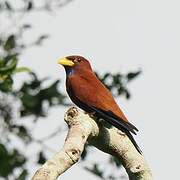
{"x": 121, "y": 36}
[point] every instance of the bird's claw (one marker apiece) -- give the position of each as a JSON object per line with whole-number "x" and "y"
{"x": 92, "y": 115}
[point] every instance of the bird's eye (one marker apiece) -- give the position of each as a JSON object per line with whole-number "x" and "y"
{"x": 77, "y": 60}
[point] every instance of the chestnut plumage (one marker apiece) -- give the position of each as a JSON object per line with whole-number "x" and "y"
{"x": 91, "y": 95}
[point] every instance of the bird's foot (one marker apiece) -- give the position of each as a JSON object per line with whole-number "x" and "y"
{"x": 121, "y": 133}
{"x": 92, "y": 115}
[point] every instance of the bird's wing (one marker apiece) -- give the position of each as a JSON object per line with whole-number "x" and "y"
{"x": 91, "y": 95}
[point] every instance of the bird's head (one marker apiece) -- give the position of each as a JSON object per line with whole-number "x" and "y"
{"x": 74, "y": 63}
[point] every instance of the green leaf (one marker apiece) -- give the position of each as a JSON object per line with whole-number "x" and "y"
{"x": 6, "y": 85}
{"x": 23, "y": 175}
{"x": 22, "y": 69}
{"x": 9, "y": 66}
{"x": 29, "y": 101}
{"x": 51, "y": 94}
{"x": 10, "y": 43}
{"x": 10, "y": 160}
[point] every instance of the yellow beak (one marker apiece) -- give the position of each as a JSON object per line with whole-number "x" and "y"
{"x": 65, "y": 62}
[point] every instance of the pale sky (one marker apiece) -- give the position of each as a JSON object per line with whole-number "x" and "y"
{"x": 121, "y": 36}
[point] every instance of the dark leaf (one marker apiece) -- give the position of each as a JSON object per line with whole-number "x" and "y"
{"x": 10, "y": 43}
{"x": 10, "y": 56}
{"x": 8, "y": 6}
{"x": 52, "y": 94}
{"x": 10, "y": 160}
{"x": 84, "y": 153}
{"x": 95, "y": 170}
{"x": 22, "y": 132}
{"x": 33, "y": 97}
{"x": 117, "y": 83}
{"x": 132, "y": 75}
{"x": 42, "y": 158}
{"x": 29, "y": 6}
{"x": 128, "y": 95}
{"x": 31, "y": 104}
{"x": 111, "y": 177}
{"x": 115, "y": 160}
{"x": 6, "y": 85}
{"x": 41, "y": 39}
{"x": 106, "y": 76}
{"x": 26, "y": 26}
{"x": 5, "y": 111}
{"x": 23, "y": 175}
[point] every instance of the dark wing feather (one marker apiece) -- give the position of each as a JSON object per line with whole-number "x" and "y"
{"x": 110, "y": 113}
{"x": 133, "y": 141}
{"x": 114, "y": 120}
{"x": 106, "y": 115}
{"x": 122, "y": 125}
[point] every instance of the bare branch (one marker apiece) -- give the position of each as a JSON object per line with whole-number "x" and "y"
{"x": 83, "y": 128}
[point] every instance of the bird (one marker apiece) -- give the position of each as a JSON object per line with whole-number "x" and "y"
{"x": 91, "y": 95}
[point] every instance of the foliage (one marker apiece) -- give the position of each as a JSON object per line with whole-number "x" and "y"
{"x": 9, "y": 160}
{"x": 32, "y": 98}
{"x": 117, "y": 83}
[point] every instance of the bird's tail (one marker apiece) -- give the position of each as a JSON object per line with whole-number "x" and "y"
{"x": 126, "y": 127}
{"x": 133, "y": 140}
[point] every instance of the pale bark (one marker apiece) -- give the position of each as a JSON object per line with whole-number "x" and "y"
{"x": 83, "y": 128}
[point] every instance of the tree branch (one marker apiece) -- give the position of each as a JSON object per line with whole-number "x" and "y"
{"x": 83, "y": 128}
